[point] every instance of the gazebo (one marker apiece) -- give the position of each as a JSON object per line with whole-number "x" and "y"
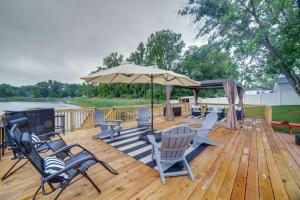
{"x": 232, "y": 89}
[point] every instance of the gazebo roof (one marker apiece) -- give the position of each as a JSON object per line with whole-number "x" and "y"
{"x": 214, "y": 84}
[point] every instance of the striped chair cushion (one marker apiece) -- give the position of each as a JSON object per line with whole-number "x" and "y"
{"x": 35, "y": 138}
{"x": 53, "y": 165}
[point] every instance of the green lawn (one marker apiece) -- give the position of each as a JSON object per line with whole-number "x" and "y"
{"x": 100, "y": 102}
{"x": 83, "y": 101}
{"x": 289, "y": 113}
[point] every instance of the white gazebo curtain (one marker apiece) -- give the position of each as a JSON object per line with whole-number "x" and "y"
{"x": 169, "y": 111}
{"x": 231, "y": 92}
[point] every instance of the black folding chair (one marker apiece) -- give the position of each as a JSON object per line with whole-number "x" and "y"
{"x": 47, "y": 142}
{"x": 78, "y": 164}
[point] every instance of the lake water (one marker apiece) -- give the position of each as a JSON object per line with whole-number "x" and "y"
{"x": 14, "y": 106}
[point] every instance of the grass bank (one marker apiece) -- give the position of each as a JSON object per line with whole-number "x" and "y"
{"x": 82, "y": 101}
{"x": 290, "y": 113}
{"x": 101, "y": 102}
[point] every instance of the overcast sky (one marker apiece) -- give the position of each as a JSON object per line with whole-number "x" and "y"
{"x": 66, "y": 39}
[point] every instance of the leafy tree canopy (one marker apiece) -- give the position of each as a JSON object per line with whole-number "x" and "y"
{"x": 112, "y": 60}
{"x": 139, "y": 55}
{"x": 207, "y": 62}
{"x": 164, "y": 49}
{"x": 265, "y": 34}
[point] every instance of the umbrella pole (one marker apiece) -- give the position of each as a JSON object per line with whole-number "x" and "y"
{"x": 151, "y": 104}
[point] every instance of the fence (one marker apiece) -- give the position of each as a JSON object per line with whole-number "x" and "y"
{"x": 76, "y": 119}
{"x": 83, "y": 118}
{"x": 252, "y": 111}
{"x": 278, "y": 98}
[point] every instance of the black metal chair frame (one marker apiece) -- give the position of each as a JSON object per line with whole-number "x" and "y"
{"x": 18, "y": 155}
{"x": 80, "y": 165}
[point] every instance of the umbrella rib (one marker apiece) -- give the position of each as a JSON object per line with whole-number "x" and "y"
{"x": 162, "y": 76}
{"x": 113, "y": 78}
{"x": 93, "y": 79}
{"x": 171, "y": 79}
{"x": 128, "y": 75}
{"x": 154, "y": 77}
{"x": 180, "y": 81}
{"x": 135, "y": 79}
{"x": 166, "y": 78}
{"x": 151, "y": 76}
{"x": 192, "y": 81}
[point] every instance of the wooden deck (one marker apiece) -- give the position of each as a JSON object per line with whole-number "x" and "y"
{"x": 252, "y": 163}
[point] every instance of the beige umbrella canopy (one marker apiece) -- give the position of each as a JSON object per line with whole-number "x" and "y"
{"x": 131, "y": 73}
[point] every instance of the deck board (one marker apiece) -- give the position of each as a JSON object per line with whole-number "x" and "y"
{"x": 251, "y": 163}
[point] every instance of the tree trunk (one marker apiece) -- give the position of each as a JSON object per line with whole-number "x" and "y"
{"x": 292, "y": 78}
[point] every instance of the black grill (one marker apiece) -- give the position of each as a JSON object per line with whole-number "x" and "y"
{"x": 40, "y": 121}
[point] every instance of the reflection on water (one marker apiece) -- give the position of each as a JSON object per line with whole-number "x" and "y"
{"x": 14, "y": 106}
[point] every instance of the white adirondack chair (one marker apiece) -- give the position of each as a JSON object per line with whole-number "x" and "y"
{"x": 174, "y": 143}
{"x": 108, "y": 128}
{"x": 144, "y": 118}
{"x": 206, "y": 126}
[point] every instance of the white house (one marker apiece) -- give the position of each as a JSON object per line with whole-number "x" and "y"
{"x": 257, "y": 90}
{"x": 281, "y": 84}
{"x": 187, "y": 99}
{"x": 282, "y": 94}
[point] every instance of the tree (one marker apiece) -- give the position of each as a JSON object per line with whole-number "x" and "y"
{"x": 42, "y": 89}
{"x": 139, "y": 56}
{"x": 7, "y": 90}
{"x": 55, "y": 88}
{"x": 267, "y": 33}
{"x": 98, "y": 69}
{"x": 164, "y": 49}
{"x": 112, "y": 60}
{"x": 107, "y": 90}
{"x": 206, "y": 63}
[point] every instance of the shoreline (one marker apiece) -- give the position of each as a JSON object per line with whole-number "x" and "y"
{"x": 81, "y": 101}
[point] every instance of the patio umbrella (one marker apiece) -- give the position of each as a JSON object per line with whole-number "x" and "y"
{"x": 131, "y": 73}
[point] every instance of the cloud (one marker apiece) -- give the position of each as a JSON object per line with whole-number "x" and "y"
{"x": 66, "y": 39}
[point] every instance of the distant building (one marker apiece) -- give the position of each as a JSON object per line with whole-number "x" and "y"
{"x": 257, "y": 90}
{"x": 281, "y": 84}
{"x": 282, "y": 93}
{"x": 188, "y": 99}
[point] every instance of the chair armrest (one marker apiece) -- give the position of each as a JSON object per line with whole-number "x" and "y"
{"x": 106, "y": 124}
{"x": 66, "y": 148}
{"x": 191, "y": 124}
{"x": 115, "y": 120}
{"x": 111, "y": 125}
{"x": 40, "y": 142}
{"x": 151, "y": 139}
{"x": 201, "y": 129}
{"x": 76, "y": 164}
{"x": 48, "y": 135}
